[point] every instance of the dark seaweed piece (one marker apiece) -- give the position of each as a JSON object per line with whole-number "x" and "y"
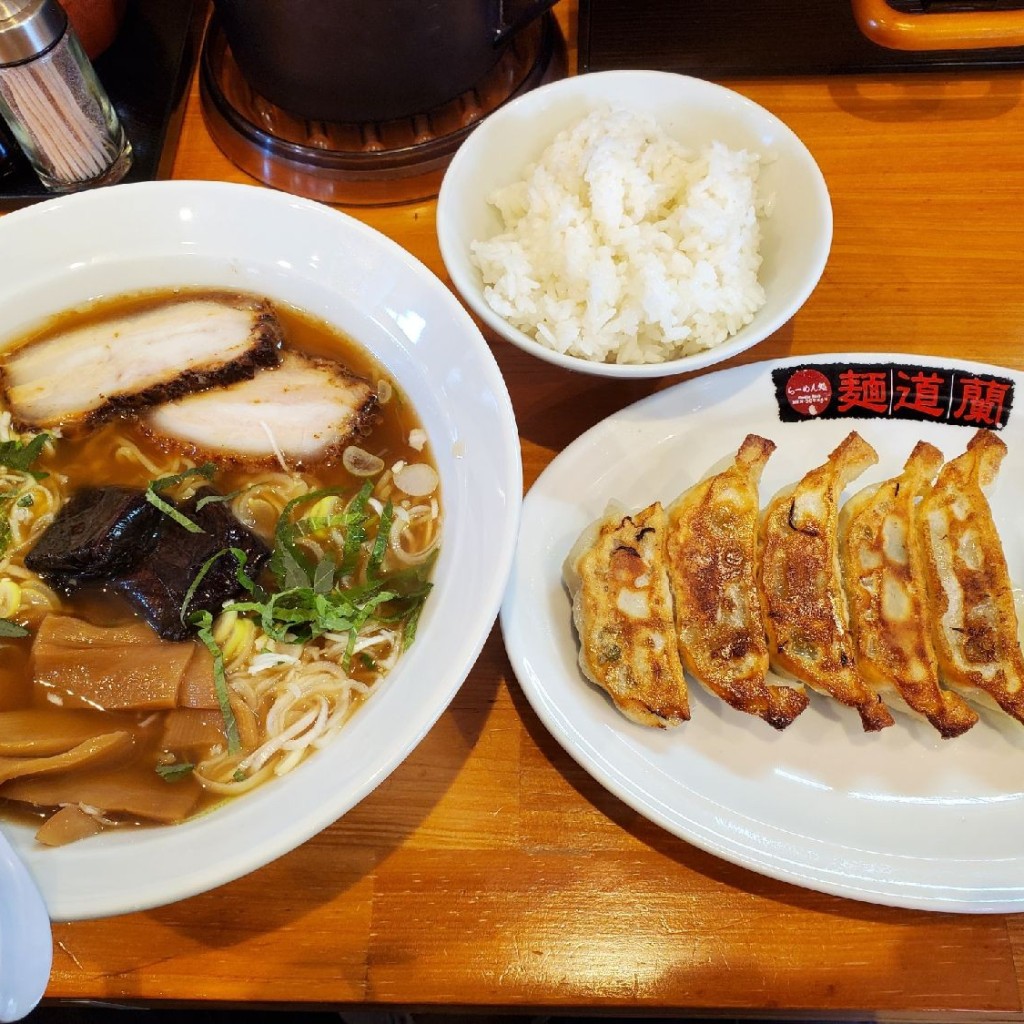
{"x": 159, "y": 586}
{"x": 101, "y": 532}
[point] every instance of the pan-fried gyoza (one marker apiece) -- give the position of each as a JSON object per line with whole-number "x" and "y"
{"x": 622, "y": 609}
{"x": 712, "y": 546}
{"x": 805, "y": 608}
{"x": 969, "y": 589}
{"x": 903, "y": 592}
{"x": 884, "y": 573}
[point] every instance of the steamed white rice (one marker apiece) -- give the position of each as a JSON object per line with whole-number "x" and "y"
{"x": 621, "y": 245}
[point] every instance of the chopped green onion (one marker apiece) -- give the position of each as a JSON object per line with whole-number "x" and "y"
{"x": 211, "y": 499}
{"x": 206, "y": 471}
{"x": 174, "y": 772}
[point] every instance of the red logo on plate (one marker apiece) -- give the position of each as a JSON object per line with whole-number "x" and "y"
{"x": 808, "y": 392}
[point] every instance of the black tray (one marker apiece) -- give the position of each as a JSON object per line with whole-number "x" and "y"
{"x": 146, "y": 73}
{"x": 717, "y": 39}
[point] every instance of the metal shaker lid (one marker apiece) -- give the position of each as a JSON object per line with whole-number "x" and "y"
{"x": 28, "y": 28}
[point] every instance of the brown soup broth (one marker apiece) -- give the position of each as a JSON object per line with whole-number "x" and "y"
{"x": 90, "y": 461}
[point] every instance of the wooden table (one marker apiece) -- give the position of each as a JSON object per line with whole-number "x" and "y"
{"x": 489, "y": 870}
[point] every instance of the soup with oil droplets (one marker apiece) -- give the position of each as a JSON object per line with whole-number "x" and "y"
{"x": 218, "y": 519}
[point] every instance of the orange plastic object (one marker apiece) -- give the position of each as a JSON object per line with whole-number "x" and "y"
{"x": 970, "y": 30}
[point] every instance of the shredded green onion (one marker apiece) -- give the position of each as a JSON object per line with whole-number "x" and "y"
{"x": 169, "y": 510}
{"x": 206, "y": 471}
{"x": 240, "y": 558}
{"x": 204, "y": 622}
{"x": 174, "y": 772}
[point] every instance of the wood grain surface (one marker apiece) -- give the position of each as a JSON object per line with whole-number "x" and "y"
{"x": 489, "y": 870}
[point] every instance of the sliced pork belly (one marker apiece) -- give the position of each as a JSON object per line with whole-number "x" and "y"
{"x": 91, "y": 373}
{"x": 304, "y": 410}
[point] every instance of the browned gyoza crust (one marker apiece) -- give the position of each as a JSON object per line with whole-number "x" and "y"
{"x": 711, "y": 551}
{"x": 806, "y": 616}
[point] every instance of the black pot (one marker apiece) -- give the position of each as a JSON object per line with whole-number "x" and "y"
{"x": 369, "y": 60}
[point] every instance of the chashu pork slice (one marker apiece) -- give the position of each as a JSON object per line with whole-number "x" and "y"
{"x": 806, "y": 614}
{"x": 622, "y": 609}
{"x": 884, "y": 575}
{"x": 973, "y": 615}
{"x": 712, "y": 552}
{"x": 303, "y": 410}
{"x": 89, "y": 374}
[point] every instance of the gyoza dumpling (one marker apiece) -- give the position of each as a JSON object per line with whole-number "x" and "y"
{"x": 884, "y": 575}
{"x": 801, "y": 588}
{"x": 712, "y": 551}
{"x": 974, "y": 619}
{"x": 622, "y": 608}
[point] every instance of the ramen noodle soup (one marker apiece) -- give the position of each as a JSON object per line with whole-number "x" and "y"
{"x": 218, "y": 520}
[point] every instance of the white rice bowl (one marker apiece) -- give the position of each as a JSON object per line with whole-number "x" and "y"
{"x": 623, "y": 245}
{"x": 599, "y": 255}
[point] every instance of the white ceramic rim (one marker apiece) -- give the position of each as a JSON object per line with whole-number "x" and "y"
{"x": 215, "y": 234}
{"x": 462, "y": 276}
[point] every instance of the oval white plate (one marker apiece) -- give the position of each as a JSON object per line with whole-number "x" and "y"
{"x": 159, "y": 234}
{"x": 900, "y": 817}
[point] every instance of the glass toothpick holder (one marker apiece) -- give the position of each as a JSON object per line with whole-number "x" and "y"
{"x": 53, "y": 102}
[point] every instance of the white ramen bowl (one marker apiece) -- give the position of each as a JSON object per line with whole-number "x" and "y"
{"x": 796, "y": 235}
{"x": 128, "y": 238}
